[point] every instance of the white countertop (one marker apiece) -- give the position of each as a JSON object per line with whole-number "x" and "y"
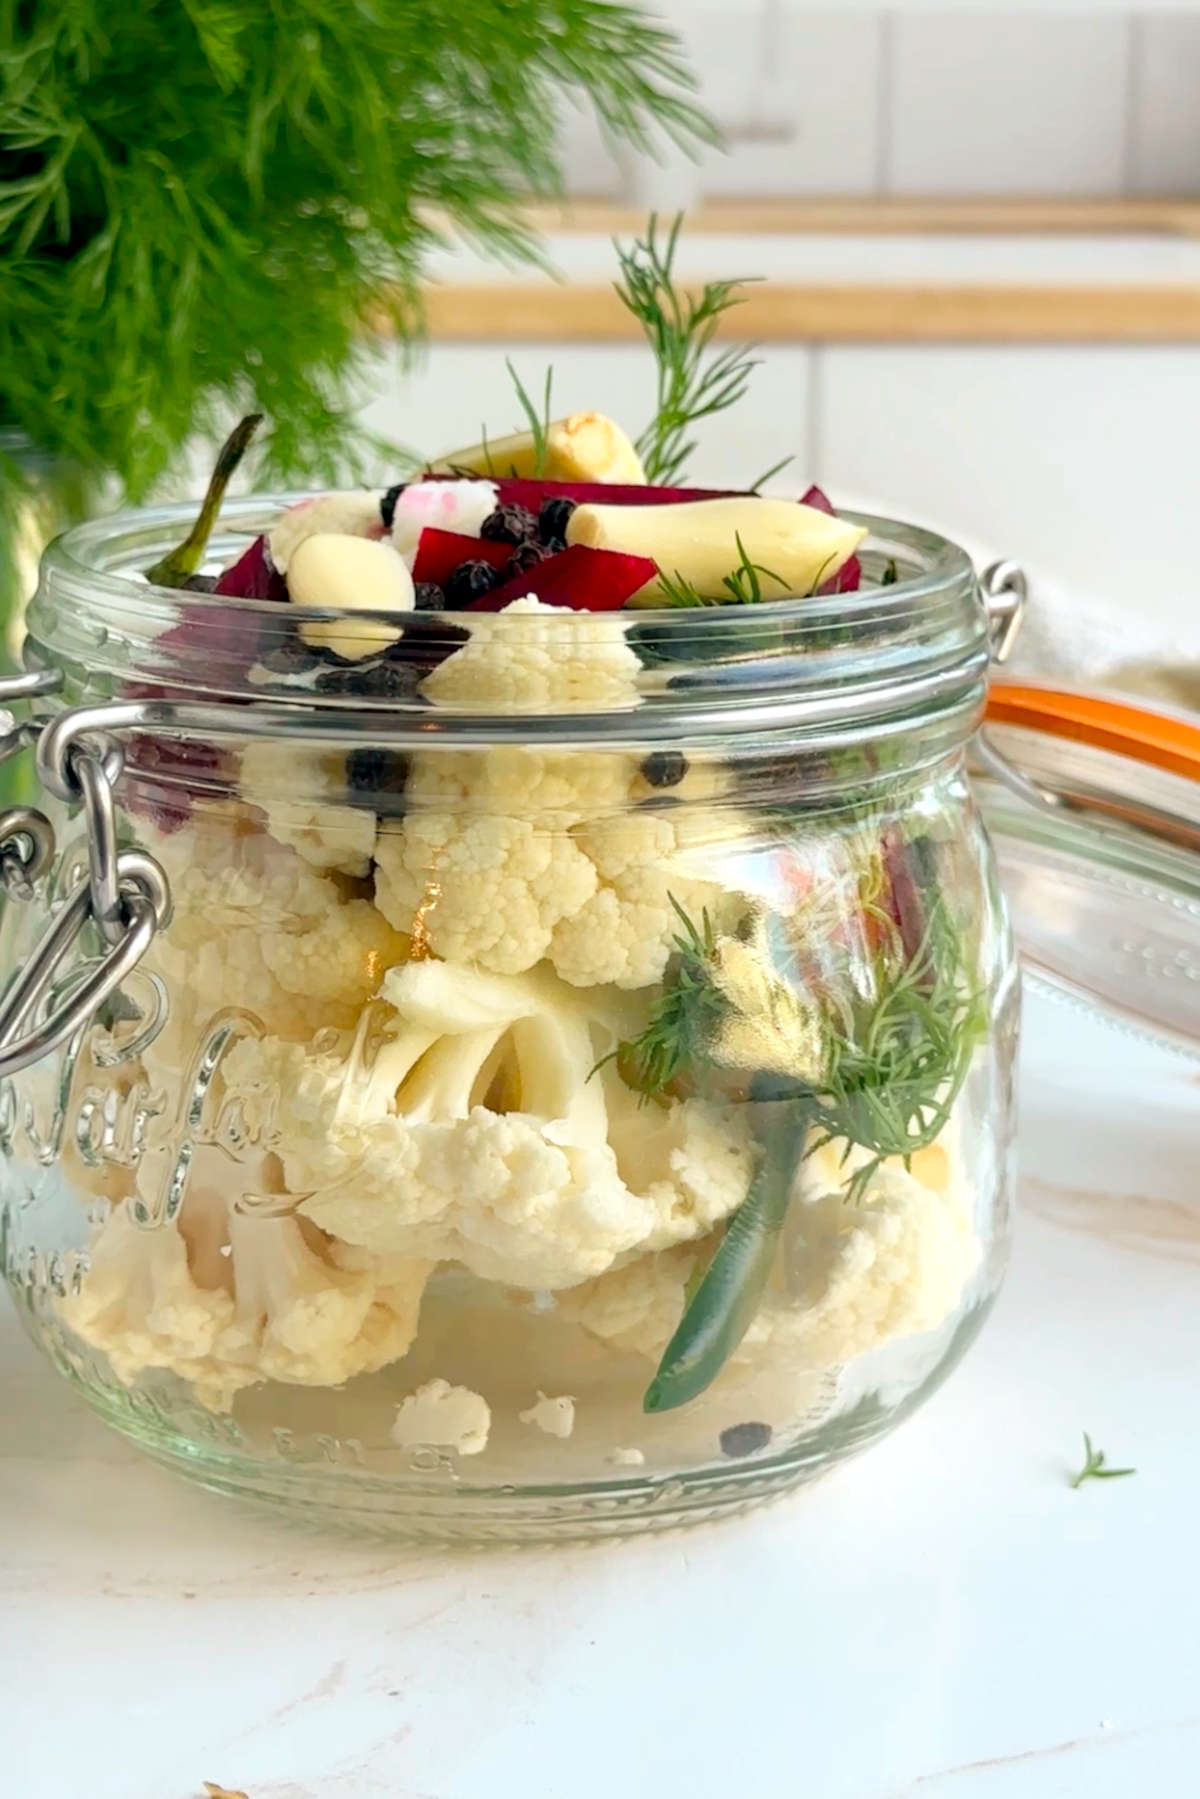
{"x": 943, "y": 1617}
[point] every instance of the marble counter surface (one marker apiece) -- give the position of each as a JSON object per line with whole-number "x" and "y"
{"x": 943, "y": 1617}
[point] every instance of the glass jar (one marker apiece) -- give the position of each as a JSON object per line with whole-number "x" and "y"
{"x": 572, "y": 1091}
{"x": 39, "y": 497}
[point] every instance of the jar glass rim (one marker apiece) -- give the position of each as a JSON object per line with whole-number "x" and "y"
{"x": 881, "y": 651}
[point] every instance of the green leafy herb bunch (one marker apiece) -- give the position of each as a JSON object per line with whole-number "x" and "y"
{"x": 204, "y": 202}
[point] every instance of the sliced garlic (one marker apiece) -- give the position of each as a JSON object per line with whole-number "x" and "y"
{"x": 347, "y": 514}
{"x": 459, "y": 506}
{"x": 585, "y": 446}
{"x": 355, "y": 575}
{"x": 697, "y": 541}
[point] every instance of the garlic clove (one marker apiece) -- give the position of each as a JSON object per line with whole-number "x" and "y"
{"x": 588, "y": 446}
{"x": 458, "y": 506}
{"x": 355, "y": 575}
{"x": 354, "y": 514}
{"x": 698, "y": 541}
{"x": 585, "y": 446}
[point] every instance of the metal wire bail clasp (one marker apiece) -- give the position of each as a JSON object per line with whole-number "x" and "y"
{"x": 124, "y": 891}
{"x": 1005, "y": 589}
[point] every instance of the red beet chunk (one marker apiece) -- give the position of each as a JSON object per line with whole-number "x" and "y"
{"x": 439, "y": 553}
{"x": 847, "y": 580}
{"x": 253, "y": 576}
{"x": 518, "y": 491}
{"x": 579, "y": 578}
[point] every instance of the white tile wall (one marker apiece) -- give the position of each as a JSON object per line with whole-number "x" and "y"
{"x": 1080, "y": 460}
{"x": 440, "y": 404}
{"x": 1165, "y": 142}
{"x": 1007, "y": 103}
{"x": 1019, "y": 98}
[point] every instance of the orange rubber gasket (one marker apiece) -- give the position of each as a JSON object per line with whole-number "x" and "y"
{"x": 1155, "y": 738}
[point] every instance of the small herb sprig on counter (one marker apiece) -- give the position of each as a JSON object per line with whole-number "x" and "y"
{"x": 877, "y": 1062}
{"x": 1094, "y": 1467}
{"x": 679, "y": 327}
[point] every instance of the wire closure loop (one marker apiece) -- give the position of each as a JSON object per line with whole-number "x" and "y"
{"x": 125, "y": 891}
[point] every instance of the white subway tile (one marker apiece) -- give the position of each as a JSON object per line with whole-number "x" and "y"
{"x": 796, "y": 95}
{"x": 590, "y": 168}
{"x": 1007, "y": 102}
{"x": 1165, "y": 147}
{"x": 1081, "y": 460}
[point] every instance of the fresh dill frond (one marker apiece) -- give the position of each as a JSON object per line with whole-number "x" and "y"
{"x": 776, "y": 468}
{"x": 744, "y": 583}
{"x": 741, "y": 587}
{"x": 682, "y": 1020}
{"x": 209, "y": 209}
{"x": 679, "y": 326}
{"x": 538, "y": 422}
{"x": 1094, "y": 1466}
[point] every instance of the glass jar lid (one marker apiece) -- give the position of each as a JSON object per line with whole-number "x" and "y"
{"x": 1093, "y": 804}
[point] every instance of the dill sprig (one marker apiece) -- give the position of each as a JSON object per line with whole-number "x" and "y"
{"x": 895, "y": 1036}
{"x": 538, "y": 422}
{"x": 1094, "y": 1467}
{"x": 679, "y": 327}
{"x": 742, "y": 586}
{"x": 208, "y": 208}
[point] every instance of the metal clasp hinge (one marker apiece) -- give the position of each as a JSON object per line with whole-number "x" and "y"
{"x": 125, "y": 892}
{"x": 1005, "y": 589}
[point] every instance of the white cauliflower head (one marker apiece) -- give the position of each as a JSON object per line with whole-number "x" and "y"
{"x": 532, "y": 657}
{"x": 281, "y": 1304}
{"x": 288, "y": 782}
{"x": 849, "y": 1277}
{"x": 257, "y": 928}
{"x": 402, "y": 1146}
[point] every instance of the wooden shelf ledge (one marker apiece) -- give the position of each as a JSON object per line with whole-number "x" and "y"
{"x": 779, "y": 312}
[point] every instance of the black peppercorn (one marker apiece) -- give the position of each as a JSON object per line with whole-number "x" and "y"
{"x": 744, "y": 1439}
{"x": 428, "y": 597}
{"x": 289, "y": 655}
{"x": 387, "y": 506}
{"x": 553, "y": 518}
{"x": 509, "y": 524}
{"x": 470, "y": 581}
{"x": 664, "y": 768}
{"x": 381, "y": 774}
{"x": 377, "y": 679}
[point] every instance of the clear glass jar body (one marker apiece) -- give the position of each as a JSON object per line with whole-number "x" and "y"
{"x": 467, "y": 1071}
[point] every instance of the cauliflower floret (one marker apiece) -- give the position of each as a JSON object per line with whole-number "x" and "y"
{"x": 549, "y": 659}
{"x": 282, "y": 779}
{"x": 626, "y": 931}
{"x": 400, "y": 1151}
{"x": 487, "y": 889}
{"x": 849, "y": 1277}
{"x": 280, "y": 1306}
{"x": 255, "y": 927}
{"x": 443, "y": 1417}
{"x": 341, "y": 959}
{"x": 511, "y": 854}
